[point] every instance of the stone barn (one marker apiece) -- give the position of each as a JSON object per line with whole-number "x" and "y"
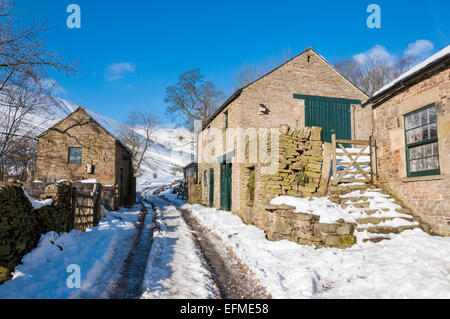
{"x": 78, "y": 148}
{"x": 304, "y": 92}
{"x": 412, "y": 130}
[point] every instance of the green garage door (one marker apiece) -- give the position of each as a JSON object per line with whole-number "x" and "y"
{"x": 332, "y": 114}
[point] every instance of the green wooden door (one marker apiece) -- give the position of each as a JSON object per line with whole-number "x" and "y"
{"x": 331, "y": 115}
{"x": 211, "y": 187}
{"x": 225, "y": 186}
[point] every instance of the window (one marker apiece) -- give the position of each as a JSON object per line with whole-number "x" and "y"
{"x": 226, "y": 119}
{"x": 204, "y": 177}
{"x": 74, "y": 155}
{"x": 422, "y": 156}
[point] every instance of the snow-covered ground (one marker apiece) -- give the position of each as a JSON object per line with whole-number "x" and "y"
{"x": 175, "y": 267}
{"x": 412, "y": 264}
{"x": 99, "y": 252}
{"x": 330, "y": 212}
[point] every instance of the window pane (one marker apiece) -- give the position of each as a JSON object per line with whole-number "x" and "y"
{"x": 416, "y": 119}
{"x": 436, "y": 162}
{"x": 428, "y": 149}
{"x": 435, "y": 148}
{"x": 425, "y": 133}
{"x": 424, "y": 117}
{"x": 408, "y": 123}
{"x": 432, "y": 114}
{"x": 417, "y": 134}
{"x": 433, "y": 130}
{"x": 413, "y": 166}
{"x": 432, "y": 163}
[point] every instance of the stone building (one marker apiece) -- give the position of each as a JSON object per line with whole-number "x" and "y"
{"x": 306, "y": 91}
{"x": 78, "y": 148}
{"x": 412, "y": 131}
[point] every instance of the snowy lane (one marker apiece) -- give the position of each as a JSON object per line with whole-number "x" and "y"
{"x": 175, "y": 266}
{"x": 129, "y": 283}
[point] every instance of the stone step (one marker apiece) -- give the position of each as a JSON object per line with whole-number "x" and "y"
{"x": 355, "y": 199}
{"x": 376, "y": 239}
{"x": 387, "y": 229}
{"x": 377, "y": 220}
{"x": 345, "y": 189}
{"x": 404, "y": 210}
{"x": 356, "y": 205}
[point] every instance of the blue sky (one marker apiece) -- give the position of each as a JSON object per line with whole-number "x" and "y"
{"x": 130, "y": 51}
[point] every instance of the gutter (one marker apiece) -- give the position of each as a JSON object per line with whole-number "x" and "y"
{"x": 375, "y": 100}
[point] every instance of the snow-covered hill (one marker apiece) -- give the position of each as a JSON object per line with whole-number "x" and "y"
{"x": 168, "y": 153}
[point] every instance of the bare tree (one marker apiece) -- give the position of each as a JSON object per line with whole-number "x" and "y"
{"x": 138, "y": 137}
{"x": 372, "y": 74}
{"x": 24, "y": 83}
{"x": 251, "y": 72}
{"x": 192, "y": 98}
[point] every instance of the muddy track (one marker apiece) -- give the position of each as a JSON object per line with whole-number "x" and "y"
{"x": 129, "y": 284}
{"x": 232, "y": 277}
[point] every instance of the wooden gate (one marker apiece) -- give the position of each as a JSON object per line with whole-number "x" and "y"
{"x": 368, "y": 175}
{"x": 86, "y": 206}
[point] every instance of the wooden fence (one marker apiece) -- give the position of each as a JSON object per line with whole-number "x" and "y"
{"x": 368, "y": 176}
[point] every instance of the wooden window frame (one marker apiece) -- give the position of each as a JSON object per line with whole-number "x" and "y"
{"x": 423, "y": 142}
{"x": 69, "y": 155}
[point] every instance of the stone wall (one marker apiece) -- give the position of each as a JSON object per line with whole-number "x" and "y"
{"x": 428, "y": 196}
{"x": 18, "y": 227}
{"x": 194, "y": 191}
{"x": 300, "y": 154}
{"x": 280, "y": 222}
{"x": 21, "y": 226}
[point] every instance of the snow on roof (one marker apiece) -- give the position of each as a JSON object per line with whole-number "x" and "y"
{"x": 415, "y": 69}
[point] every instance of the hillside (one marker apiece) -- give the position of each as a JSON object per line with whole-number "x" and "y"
{"x": 165, "y": 157}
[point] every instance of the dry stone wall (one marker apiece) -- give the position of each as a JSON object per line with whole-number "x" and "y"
{"x": 21, "y": 226}
{"x": 300, "y": 174}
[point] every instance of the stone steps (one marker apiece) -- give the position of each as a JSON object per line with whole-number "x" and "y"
{"x": 377, "y": 220}
{"x": 387, "y": 229}
{"x": 356, "y": 205}
{"x": 361, "y": 203}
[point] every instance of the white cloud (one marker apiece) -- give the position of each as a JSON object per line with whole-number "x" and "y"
{"x": 52, "y": 86}
{"x": 377, "y": 53}
{"x": 116, "y": 71}
{"x": 419, "y": 48}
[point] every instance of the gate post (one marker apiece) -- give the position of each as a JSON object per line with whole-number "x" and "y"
{"x": 373, "y": 159}
{"x": 333, "y": 142}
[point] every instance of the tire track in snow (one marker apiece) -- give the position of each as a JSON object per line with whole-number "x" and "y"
{"x": 232, "y": 277}
{"x": 129, "y": 283}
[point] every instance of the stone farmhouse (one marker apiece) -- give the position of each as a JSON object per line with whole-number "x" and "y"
{"x": 78, "y": 148}
{"x": 304, "y": 92}
{"x": 412, "y": 129}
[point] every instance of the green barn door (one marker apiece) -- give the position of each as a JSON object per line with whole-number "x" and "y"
{"x": 331, "y": 115}
{"x": 225, "y": 186}
{"x": 211, "y": 187}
